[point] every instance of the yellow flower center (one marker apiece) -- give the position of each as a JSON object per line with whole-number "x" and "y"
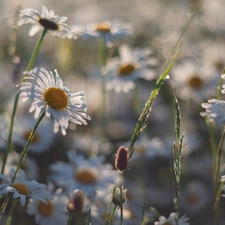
{"x": 192, "y": 199}
{"x": 86, "y": 176}
{"x": 167, "y": 223}
{"x": 45, "y": 209}
{"x": 56, "y": 98}
{"x": 125, "y": 69}
{"x": 26, "y": 136}
{"x": 195, "y": 82}
{"x": 21, "y": 188}
{"x": 103, "y": 27}
{"x": 48, "y": 24}
{"x": 140, "y": 150}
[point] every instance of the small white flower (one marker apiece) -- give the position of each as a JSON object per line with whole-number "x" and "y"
{"x": 194, "y": 82}
{"x": 87, "y": 175}
{"x": 43, "y": 136}
{"x": 52, "y": 212}
{"x": 171, "y": 220}
{"x": 194, "y": 198}
{"x": 22, "y": 188}
{"x": 121, "y": 73}
{"x": 109, "y": 30}
{"x": 214, "y": 109}
{"x": 47, "y": 91}
{"x": 29, "y": 165}
{"x": 48, "y": 20}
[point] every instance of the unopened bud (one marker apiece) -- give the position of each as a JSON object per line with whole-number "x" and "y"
{"x": 119, "y": 196}
{"x": 76, "y": 203}
{"x": 122, "y": 158}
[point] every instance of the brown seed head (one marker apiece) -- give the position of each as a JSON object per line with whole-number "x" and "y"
{"x": 122, "y": 158}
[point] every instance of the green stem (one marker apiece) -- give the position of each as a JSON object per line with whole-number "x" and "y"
{"x": 9, "y": 219}
{"x": 35, "y": 52}
{"x": 112, "y": 215}
{"x": 25, "y": 150}
{"x": 216, "y": 177}
{"x": 5, "y": 156}
{"x": 30, "y": 64}
{"x": 136, "y": 101}
{"x": 109, "y": 206}
{"x": 101, "y": 64}
{"x": 69, "y": 221}
{"x": 3, "y": 206}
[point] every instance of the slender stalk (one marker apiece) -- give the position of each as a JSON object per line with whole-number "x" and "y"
{"x": 112, "y": 215}
{"x": 136, "y": 101}
{"x": 109, "y": 206}
{"x": 121, "y": 205}
{"x": 25, "y": 150}
{"x": 216, "y": 177}
{"x": 101, "y": 63}
{"x": 9, "y": 219}
{"x": 69, "y": 221}
{"x": 30, "y": 64}
{"x": 3, "y": 206}
{"x": 35, "y": 52}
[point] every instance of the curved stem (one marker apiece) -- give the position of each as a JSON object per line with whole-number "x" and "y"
{"x": 9, "y": 219}
{"x": 112, "y": 215}
{"x": 27, "y": 145}
{"x": 3, "y": 206}
{"x": 30, "y": 64}
{"x": 35, "y": 52}
{"x": 216, "y": 177}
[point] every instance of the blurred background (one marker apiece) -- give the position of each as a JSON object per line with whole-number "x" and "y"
{"x": 156, "y": 24}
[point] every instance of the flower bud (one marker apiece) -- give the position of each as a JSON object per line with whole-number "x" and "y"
{"x": 76, "y": 203}
{"x": 119, "y": 196}
{"x": 122, "y": 158}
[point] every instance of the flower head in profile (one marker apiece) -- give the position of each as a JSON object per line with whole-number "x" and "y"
{"x": 43, "y": 136}
{"x": 194, "y": 82}
{"x": 194, "y": 198}
{"x": 122, "y": 72}
{"x": 50, "y": 211}
{"x": 45, "y": 20}
{"x": 171, "y": 220}
{"x": 22, "y": 188}
{"x": 214, "y": 109}
{"x": 28, "y": 165}
{"x": 47, "y": 91}
{"x": 88, "y": 175}
{"x": 109, "y": 30}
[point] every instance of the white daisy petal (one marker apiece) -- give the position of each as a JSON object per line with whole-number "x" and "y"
{"x": 48, "y": 92}
{"x": 46, "y": 20}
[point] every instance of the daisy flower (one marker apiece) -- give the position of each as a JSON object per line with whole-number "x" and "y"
{"x": 171, "y": 220}
{"x": 22, "y": 188}
{"x": 43, "y": 136}
{"x": 29, "y": 165}
{"x": 146, "y": 148}
{"x": 194, "y": 82}
{"x": 214, "y": 109}
{"x": 109, "y": 30}
{"x": 52, "y": 212}
{"x": 122, "y": 72}
{"x": 47, "y": 91}
{"x": 45, "y": 20}
{"x": 214, "y": 55}
{"x": 100, "y": 205}
{"x": 194, "y": 198}
{"x": 87, "y": 175}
